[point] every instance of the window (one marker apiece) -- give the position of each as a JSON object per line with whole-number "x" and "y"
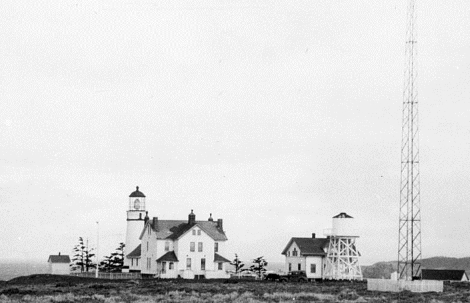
{"x": 149, "y": 263}
{"x": 288, "y": 253}
{"x": 299, "y": 266}
{"x": 203, "y": 264}
{"x": 132, "y": 262}
{"x": 294, "y": 252}
{"x": 136, "y": 262}
{"x": 167, "y": 246}
{"x": 192, "y": 246}
{"x": 171, "y": 266}
{"x": 163, "y": 267}
{"x": 188, "y": 263}
{"x": 313, "y": 268}
{"x": 194, "y": 232}
{"x": 198, "y": 232}
{"x": 199, "y": 246}
{"x": 221, "y": 266}
{"x": 290, "y": 266}
{"x": 147, "y": 246}
{"x": 216, "y": 247}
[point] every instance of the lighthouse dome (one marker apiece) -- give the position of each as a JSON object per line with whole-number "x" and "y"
{"x": 137, "y": 194}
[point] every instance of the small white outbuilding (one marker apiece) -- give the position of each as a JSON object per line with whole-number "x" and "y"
{"x": 59, "y": 264}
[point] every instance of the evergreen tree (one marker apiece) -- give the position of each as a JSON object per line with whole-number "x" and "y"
{"x": 106, "y": 264}
{"x": 118, "y": 258}
{"x": 115, "y": 261}
{"x": 82, "y": 258}
{"x": 259, "y": 266}
{"x": 238, "y": 264}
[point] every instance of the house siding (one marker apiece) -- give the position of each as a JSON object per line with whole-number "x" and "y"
{"x": 59, "y": 268}
{"x": 318, "y": 261}
{"x": 184, "y": 251}
{"x": 294, "y": 260}
{"x": 148, "y": 258}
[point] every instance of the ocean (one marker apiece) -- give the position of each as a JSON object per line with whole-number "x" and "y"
{"x": 10, "y": 269}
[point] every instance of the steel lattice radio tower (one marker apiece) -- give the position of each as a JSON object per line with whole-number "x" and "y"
{"x": 409, "y": 238}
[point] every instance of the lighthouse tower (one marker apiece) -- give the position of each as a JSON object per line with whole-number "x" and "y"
{"x": 342, "y": 259}
{"x": 135, "y": 224}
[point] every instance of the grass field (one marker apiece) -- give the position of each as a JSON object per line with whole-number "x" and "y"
{"x": 49, "y": 288}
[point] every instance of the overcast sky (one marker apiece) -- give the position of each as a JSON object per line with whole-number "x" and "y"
{"x": 273, "y": 115}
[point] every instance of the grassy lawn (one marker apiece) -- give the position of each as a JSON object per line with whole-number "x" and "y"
{"x": 48, "y": 288}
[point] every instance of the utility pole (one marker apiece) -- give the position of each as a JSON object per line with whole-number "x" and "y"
{"x": 97, "y": 248}
{"x": 409, "y": 235}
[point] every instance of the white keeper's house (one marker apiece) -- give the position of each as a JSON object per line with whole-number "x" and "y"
{"x": 335, "y": 257}
{"x": 173, "y": 248}
{"x": 307, "y": 254}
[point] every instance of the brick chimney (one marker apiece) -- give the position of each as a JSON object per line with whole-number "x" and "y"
{"x": 191, "y": 218}
{"x": 155, "y": 222}
{"x": 313, "y": 235}
{"x": 220, "y": 224}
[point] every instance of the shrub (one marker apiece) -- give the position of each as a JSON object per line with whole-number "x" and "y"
{"x": 4, "y": 299}
{"x": 348, "y": 294}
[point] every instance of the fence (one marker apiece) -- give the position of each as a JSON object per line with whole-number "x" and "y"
{"x": 400, "y": 285}
{"x": 108, "y": 275}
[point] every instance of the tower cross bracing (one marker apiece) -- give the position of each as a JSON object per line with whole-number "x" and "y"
{"x": 409, "y": 242}
{"x": 342, "y": 260}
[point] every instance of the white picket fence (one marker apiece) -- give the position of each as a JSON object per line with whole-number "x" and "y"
{"x": 108, "y": 275}
{"x": 400, "y": 285}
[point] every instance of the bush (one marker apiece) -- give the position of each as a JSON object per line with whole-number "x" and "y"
{"x": 348, "y": 294}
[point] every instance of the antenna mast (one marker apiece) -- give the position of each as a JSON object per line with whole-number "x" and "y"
{"x": 409, "y": 235}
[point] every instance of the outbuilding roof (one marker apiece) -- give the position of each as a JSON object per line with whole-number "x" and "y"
{"x": 219, "y": 258}
{"x": 309, "y": 246}
{"x": 59, "y": 259}
{"x": 444, "y": 274}
{"x": 135, "y": 253}
{"x": 174, "y": 229}
{"x": 168, "y": 257}
{"x": 137, "y": 193}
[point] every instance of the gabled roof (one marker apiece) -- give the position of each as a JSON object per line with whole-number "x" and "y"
{"x": 174, "y": 229}
{"x": 443, "y": 274}
{"x": 219, "y": 258}
{"x": 309, "y": 246}
{"x": 168, "y": 257}
{"x": 135, "y": 253}
{"x": 59, "y": 259}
